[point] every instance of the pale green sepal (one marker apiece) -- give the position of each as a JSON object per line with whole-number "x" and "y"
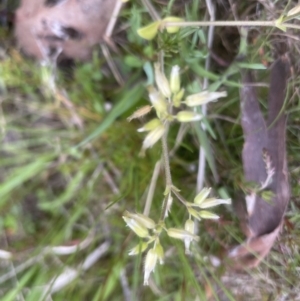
{"x": 212, "y": 202}
{"x": 202, "y": 195}
{"x": 208, "y": 215}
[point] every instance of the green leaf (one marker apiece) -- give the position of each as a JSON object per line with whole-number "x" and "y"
{"x": 150, "y": 31}
{"x": 69, "y": 193}
{"x": 128, "y": 101}
{"x": 204, "y": 142}
{"x": 20, "y": 175}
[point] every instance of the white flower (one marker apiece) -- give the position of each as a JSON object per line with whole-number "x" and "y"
{"x": 150, "y": 263}
{"x": 203, "y": 97}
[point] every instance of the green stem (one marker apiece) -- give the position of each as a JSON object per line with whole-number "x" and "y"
{"x": 166, "y": 160}
{"x": 221, "y": 23}
{"x": 179, "y": 197}
{"x": 273, "y": 23}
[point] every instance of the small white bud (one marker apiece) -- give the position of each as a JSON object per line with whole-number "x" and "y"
{"x": 153, "y": 137}
{"x": 138, "y": 229}
{"x": 177, "y": 98}
{"x": 151, "y": 125}
{"x": 208, "y": 215}
{"x": 189, "y": 227}
{"x": 168, "y": 205}
{"x": 150, "y": 263}
{"x": 203, "y": 97}
{"x": 188, "y": 116}
{"x": 181, "y": 234}
{"x": 160, "y": 252}
{"x": 158, "y": 102}
{"x": 202, "y": 195}
{"x": 175, "y": 79}
{"x": 161, "y": 81}
{"x": 212, "y": 202}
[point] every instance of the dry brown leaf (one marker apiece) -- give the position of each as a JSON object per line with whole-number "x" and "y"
{"x": 67, "y": 28}
{"x": 263, "y": 221}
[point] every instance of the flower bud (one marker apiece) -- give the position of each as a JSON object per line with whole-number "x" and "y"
{"x": 212, "y": 202}
{"x": 151, "y": 125}
{"x": 181, "y": 234}
{"x": 150, "y": 263}
{"x": 175, "y": 79}
{"x": 138, "y": 249}
{"x": 153, "y": 137}
{"x": 189, "y": 227}
{"x": 160, "y": 252}
{"x": 138, "y": 229}
{"x": 203, "y": 97}
{"x": 141, "y": 219}
{"x": 208, "y": 215}
{"x": 172, "y": 29}
{"x": 194, "y": 213}
{"x": 177, "y": 98}
{"x": 140, "y": 113}
{"x": 168, "y": 205}
{"x": 202, "y": 195}
{"x": 161, "y": 81}
{"x": 158, "y": 102}
{"x": 188, "y": 116}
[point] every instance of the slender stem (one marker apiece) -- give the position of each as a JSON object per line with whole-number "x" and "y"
{"x": 152, "y": 188}
{"x": 222, "y": 23}
{"x": 202, "y": 156}
{"x": 179, "y": 196}
{"x": 273, "y": 23}
{"x": 166, "y": 160}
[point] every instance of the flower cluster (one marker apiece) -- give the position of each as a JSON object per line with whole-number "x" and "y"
{"x": 167, "y": 95}
{"x": 150, "y": 232}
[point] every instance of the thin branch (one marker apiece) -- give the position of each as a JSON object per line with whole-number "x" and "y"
{"x": 112, "y": 65}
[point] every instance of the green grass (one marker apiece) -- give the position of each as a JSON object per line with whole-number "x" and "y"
{"x": 67, "y": 173}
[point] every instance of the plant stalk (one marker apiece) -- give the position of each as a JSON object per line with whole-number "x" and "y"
{"x": 273, "y": 23}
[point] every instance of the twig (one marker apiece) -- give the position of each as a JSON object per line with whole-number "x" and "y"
{"x": 112, "y": 65}
{"x": 113, "y": 19}
{"x": 152, "y": 12}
